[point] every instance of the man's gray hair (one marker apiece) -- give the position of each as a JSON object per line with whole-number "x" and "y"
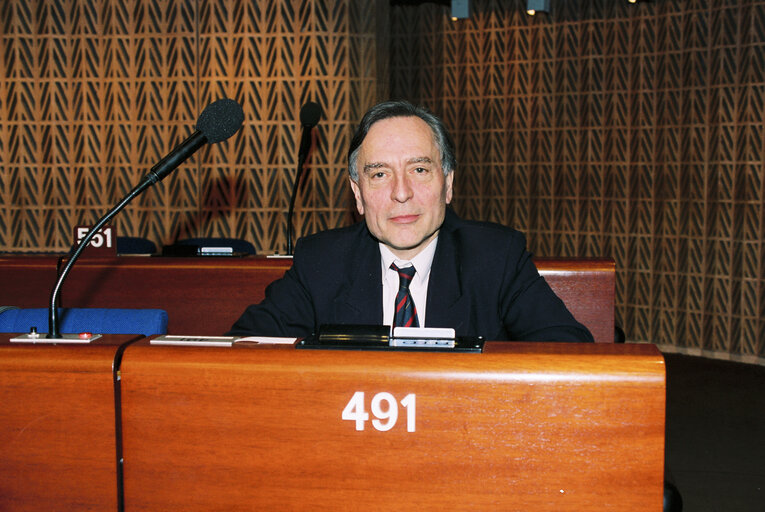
{"x": 402, "y": 108}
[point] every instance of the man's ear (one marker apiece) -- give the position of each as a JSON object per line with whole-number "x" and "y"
{"x": 449, "y": 178}
{"x": 357, "y": 195}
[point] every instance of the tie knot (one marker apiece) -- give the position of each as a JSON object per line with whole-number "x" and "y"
{"x": 405, "y": 274}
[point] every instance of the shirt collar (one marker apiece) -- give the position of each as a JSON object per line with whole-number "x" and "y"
{"x": 422, "y": 262}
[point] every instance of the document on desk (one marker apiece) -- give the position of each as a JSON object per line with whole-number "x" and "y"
{"x": 268, "y": 340}
{"x": 219, "y": 341}
{"x": 194, "y": 341}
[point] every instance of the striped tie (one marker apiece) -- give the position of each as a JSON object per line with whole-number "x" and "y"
{"x": 406, "y": 312}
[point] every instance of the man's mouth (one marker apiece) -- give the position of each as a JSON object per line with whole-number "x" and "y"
{"x": 404, "y": 219}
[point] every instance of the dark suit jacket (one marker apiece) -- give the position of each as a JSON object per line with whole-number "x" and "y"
{"x": 482, "y": 283}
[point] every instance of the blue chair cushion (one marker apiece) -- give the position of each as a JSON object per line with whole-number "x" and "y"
{"x": 95, "y": 320}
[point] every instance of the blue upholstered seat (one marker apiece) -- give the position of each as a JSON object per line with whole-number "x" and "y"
{"x": 96, "y": 320}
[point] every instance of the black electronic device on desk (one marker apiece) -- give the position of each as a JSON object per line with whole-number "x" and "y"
{"x": 209, "y": 247}
{"x": 381, "y": 337}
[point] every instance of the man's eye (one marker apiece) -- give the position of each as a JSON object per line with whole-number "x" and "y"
{"x": 378, "y": 175}
{"x": 421, "y": 170}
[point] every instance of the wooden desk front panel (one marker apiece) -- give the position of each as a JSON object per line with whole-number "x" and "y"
{"x": 57, "y": 426}
{"x": 543, "y": 427}
{"x": 27, "y": 281}
{"x": 206, "y": 295}
{"x": 202, "y": 295}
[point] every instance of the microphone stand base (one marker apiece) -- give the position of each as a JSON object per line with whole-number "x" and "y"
{"x": 33, "y": 337}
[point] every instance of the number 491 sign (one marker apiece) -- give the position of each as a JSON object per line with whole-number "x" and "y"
{"x": 384, "y": 408}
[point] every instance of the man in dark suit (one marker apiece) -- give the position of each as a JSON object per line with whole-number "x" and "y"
{"x": 412, "y": 261}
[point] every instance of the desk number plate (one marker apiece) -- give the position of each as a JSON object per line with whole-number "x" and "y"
{"x": 384, "y": 408}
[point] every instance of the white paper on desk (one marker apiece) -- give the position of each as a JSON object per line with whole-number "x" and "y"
{"x": 268, "y": 340}
{"x": 194, "y": 341}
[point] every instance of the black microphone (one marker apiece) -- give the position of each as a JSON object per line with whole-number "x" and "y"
{"x": 310, "y": 115}
{"x": 219, "y": 121}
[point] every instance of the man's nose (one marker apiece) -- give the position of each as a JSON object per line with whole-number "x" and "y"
{"x": 402, "y": 188}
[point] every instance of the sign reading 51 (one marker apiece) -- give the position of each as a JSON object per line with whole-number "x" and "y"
{"x": 384, "y": 408}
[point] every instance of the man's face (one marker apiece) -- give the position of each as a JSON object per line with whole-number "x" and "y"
{"x": 401, "y": 189}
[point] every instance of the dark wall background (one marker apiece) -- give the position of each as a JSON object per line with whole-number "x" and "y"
{"x": 605, "y": 128}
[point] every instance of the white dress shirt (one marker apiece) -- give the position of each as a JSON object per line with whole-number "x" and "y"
{"x": 418, "y": 287}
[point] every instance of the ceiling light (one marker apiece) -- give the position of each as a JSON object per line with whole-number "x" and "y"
{"x": 535, "y": 6}
{"x": 460, "y": 9}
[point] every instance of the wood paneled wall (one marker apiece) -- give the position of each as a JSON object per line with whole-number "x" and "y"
{"x": 94, "y": 92}
{"x": 605, "y": 128}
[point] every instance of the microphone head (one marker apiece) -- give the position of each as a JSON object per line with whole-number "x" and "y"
{"x": 220, "y": 120}
{"x": 310, "y": 114}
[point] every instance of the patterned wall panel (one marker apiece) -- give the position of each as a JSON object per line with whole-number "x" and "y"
{"x": 97, "y": 92}
{"x": 312, "y": 51}
{"x": 605, "y": 128}
{"x": 93, "y": 93}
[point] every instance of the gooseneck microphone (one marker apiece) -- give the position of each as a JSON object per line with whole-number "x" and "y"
{"x": 219, "y": 121}
{"x": 310, "y": 114}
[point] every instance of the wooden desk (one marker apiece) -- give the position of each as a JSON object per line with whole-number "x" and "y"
{"x": 523, "y": 426}
{"x": 57, "y": 426}
{"x": 202, "y": 295}
{"x": 205, "y": 295}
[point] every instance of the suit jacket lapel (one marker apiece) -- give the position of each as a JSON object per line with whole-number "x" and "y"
{"x": 362, "y": 302}
{"x": 447, "y": 306}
